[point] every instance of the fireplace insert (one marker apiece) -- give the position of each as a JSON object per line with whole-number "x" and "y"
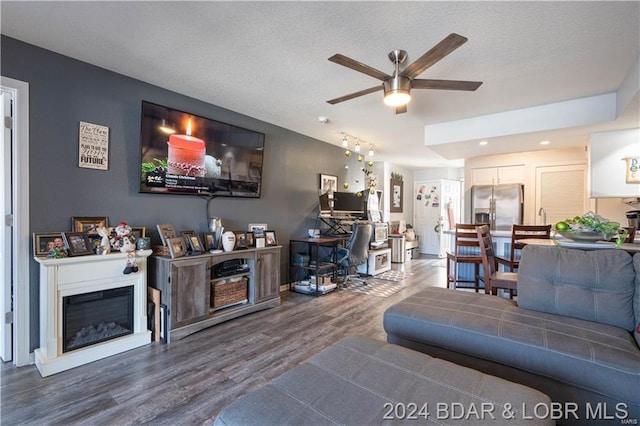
{"x": 95, "y": 317}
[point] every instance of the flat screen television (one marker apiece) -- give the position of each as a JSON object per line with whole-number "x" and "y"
{"x": 183, "y": 153}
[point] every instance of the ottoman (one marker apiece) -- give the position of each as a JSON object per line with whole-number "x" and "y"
{"x": 360, "y": 381}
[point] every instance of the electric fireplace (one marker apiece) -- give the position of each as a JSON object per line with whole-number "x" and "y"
{"x": 95, "y": 317}
{"x": 90, "y": 309}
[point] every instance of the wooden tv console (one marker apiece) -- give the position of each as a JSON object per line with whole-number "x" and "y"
{"x": 185, "y": 285}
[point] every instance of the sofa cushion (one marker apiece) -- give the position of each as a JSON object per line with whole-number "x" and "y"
{"x": 360, "y": 381}
{"x": 588, "y": 355}
{"x": 591, "y": 285}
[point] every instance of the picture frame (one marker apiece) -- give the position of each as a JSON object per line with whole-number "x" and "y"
{"x": 139, "y": 231}
{"x": 396, "y": 196}
{"x": 44, "y": 242}
{"x": 328, "y": 184}
{"x": 176, "y": 246}
{"x": 88, "y": 224}
{"x": 241, "y": 240}
{"x": 270, "y": 238}
{"x": 257, "y": 228}
{"x": 209, "y": 240}
{"x": 251, "y": 242}
{"x": 193, "y": 242}
{"x": 166, "y": 231}
{"x": 77, "y": 243}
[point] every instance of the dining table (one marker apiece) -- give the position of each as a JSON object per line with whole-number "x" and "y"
{"x": 630, "y": 248}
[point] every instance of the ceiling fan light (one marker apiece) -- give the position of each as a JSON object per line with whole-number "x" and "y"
{"x": 397, "y": 98}
{"x": 397, "y": 91}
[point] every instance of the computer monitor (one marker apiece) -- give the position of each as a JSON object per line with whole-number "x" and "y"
{"x": 344, "y": 204}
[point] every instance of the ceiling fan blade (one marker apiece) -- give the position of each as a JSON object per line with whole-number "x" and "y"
{"x": 401, "y": 109}
{"x": 358, "y": 66}
{"x": 437, "y": 52}
{"x": 355, "y": 94}
{"x": 445, "y": 84}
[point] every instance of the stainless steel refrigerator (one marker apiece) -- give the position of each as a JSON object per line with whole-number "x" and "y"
{"x": 498, "y": 205}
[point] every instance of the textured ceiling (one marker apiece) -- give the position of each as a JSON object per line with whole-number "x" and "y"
{"x": 268, "y": 60}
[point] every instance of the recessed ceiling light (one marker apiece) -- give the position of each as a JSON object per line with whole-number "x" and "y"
{"x": 545, "y": 142}
{"x": 323, "y": 120}
{"x": 483, "y": 143}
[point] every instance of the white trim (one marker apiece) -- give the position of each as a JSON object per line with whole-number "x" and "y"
{"x": 21, "y": 236}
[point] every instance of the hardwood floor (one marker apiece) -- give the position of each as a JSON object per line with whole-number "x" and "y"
{"x": 189, "y": 381}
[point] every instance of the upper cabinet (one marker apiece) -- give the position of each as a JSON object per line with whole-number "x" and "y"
{"x": 497, "y": 175}
{"x": 610, "y": 155}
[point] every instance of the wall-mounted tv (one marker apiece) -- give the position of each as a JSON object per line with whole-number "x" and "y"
{"x": 183, "y": 153}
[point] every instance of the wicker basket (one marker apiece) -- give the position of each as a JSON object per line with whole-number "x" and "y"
{"x": 228, "y": 292}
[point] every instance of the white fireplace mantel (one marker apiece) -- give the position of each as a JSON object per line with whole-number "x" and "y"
{"x": 84, "y": 274}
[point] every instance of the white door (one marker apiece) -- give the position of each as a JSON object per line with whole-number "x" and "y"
{"x": 426, "y": 215}
{"x": 19, "y": 235}
{"x": 6, "y": 330}
{"x": 561, "y": 193}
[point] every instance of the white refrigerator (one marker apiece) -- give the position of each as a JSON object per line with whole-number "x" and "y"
{"x": 436, "y": 211}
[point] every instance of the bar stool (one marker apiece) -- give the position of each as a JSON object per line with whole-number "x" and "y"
{"x": 466, "y": 251}
{"x": 519, "y": 233}
{"x": 492, "y": 278}
{"x": 630, "y": 236}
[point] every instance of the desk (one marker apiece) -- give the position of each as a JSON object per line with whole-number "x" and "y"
{"x": 336, "y": 225}
{"x": 630, "y": 248}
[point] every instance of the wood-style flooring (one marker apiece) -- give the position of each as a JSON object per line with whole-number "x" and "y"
{"x": 189, "y": 381}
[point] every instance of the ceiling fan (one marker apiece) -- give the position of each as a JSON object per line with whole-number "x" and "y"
{"x": 397, "y": 87}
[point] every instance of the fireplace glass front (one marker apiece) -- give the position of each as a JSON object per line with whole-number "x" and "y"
{"x": 95, "y": 317}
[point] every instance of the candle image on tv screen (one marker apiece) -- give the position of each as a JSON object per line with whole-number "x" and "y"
{"x": 183, "y": 153}
{"x": 186, "y": 155}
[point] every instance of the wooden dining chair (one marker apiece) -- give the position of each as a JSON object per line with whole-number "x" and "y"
{"x": 630, "y": 236}
{"x": 466, "y": 250}
{"x": 519, "y": 233}
{"x": 492, "y": 278}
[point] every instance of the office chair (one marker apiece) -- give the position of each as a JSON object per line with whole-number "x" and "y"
{"x": 356, "y": 252}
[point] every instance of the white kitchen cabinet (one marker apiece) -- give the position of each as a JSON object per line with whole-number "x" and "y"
{"x": 497, "y": 175}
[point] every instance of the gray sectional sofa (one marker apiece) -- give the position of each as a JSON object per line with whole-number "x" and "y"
{"x": 361, "y": 381}
{"x": 574, "y": 332}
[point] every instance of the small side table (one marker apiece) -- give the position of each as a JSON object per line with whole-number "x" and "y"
{"x": 379, "y": 261}
{"x": 316, "y": 266}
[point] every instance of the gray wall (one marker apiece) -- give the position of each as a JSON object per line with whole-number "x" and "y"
{"x": 64, "y": 91}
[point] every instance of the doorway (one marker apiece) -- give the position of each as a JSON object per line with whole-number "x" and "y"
{"x": 15, "y": 236}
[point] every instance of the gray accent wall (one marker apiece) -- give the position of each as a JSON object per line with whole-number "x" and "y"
{"x": 64, "y": 91}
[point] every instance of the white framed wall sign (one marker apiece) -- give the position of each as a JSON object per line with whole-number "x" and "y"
{"x": 93, "y": 146}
